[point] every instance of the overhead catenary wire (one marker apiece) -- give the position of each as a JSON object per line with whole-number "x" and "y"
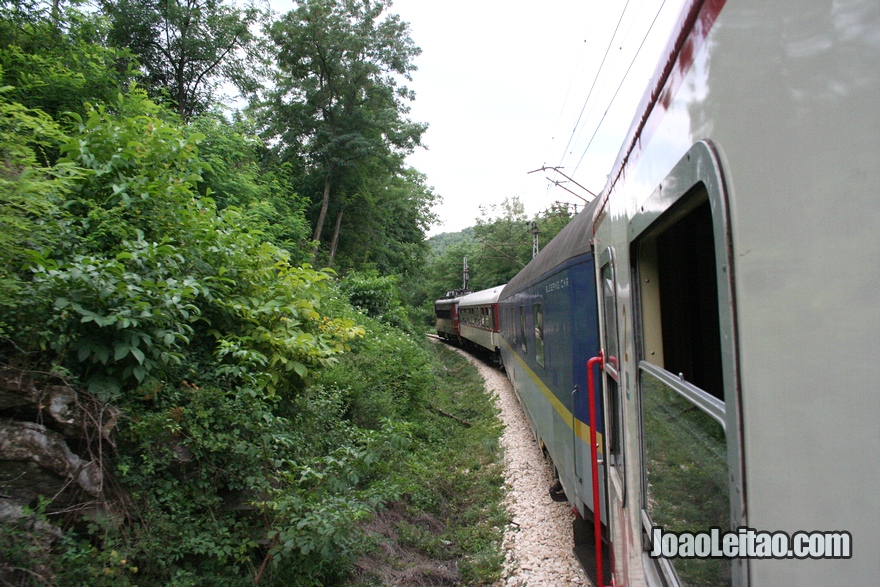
{"x": 574, "y": 75}
{"x": 593, "y": 85}
{"x": 612, "y": 66}
{"x": 614, "y": 97}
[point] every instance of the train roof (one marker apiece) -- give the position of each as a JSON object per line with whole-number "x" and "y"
{"x": 479, "y": 298}
{"x": 572, "y": 241}
{"x": 445, "y": 301}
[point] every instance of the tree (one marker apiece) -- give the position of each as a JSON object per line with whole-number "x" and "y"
{"x": 54, "y": 58}
{"x": 387, "y": 224}
{"x": 337, "y": 105}
{"x": 186, "y": 47}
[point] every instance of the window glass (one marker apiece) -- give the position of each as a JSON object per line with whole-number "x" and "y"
{"x": 687, "y": 370}
{"x": 539, "y": 334}
{"x": 687, "y": 474}
{"x": 610, "y": 312}
{"x": 522, "y": 329}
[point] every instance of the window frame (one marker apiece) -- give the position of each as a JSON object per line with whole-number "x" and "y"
{"x": 699, "y": 169}
{"x": 538, "y": 310}
{"x": 614, "y": 410}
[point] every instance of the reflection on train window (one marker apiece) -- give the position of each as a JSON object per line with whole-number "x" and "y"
{"x": 522, "y": 329}
{"x": 612, "y": 378}
{"x": 686, "y": 465}
{"x": 539, "y": 334}
{"x": 610, "y": 313}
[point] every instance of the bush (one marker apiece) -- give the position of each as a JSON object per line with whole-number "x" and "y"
{"x": 388, "y": 376}
{"x": 376, "y": 295}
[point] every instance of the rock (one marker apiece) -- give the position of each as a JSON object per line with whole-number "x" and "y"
{"x": 16, "y": 389}
{"x": 36, "y": 461}
{"x": 59, "y": 402}
{"x": 11, "y": 512}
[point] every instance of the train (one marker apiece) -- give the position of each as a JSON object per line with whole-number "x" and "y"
{"x": 698, "y": 350}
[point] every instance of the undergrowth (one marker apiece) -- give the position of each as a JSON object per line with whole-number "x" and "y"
{"x": 447, "y": 525}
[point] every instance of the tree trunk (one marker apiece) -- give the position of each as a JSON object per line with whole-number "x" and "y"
{"x": 322, "y": 216}
{"x": 335, "y": 237}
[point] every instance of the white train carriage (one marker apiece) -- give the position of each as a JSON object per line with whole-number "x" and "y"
{"x": 479, "y": 320}
{"x": 737, "y": 250}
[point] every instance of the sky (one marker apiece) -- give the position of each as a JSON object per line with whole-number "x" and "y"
{"x": 510, "y": 86}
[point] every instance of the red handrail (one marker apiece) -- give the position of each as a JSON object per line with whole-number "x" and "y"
{"x": 594, "y": 457}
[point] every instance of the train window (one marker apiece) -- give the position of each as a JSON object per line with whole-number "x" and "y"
{"x": 522, "y": 329}
{"x": 680, "y": 298}
{"x": 612, "y": 363}
{"x": 687, "y": 371}
{"x": 539, "y": 334}
{"x": 686, "y": 466}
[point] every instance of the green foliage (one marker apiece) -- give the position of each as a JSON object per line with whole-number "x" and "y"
{"x": 30, "y": 191}
{"x": 449, "y": 514}
{"x": 125, "y": 319}
{"x": 186, "y": 49}
{"x": 205, "y": 337}
{"x": 55, "y": 60}
{"x": 34, "y": 552}
{"x": 158, "y": 266}
{"x": 440, "y": 242}
{"x": 385, "y": 223}
{"x": 387, "y": 376}
{"x": 270, "y": 206}
{"x": 141, "y": 173}
{"x": 376, "y": 295}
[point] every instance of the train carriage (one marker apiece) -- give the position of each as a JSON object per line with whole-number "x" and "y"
{"x": 724, "y": 288}
{"x": 446, "y": 315}
{"x": 737, "y": 240}
{"x": 479, "y": 320}
{"x": 549, "y": 332}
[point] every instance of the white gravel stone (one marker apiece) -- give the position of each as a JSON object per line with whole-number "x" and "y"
{"x": 538, "y": 541}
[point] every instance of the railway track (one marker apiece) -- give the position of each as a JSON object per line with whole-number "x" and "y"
{"x": 538, "y": 541}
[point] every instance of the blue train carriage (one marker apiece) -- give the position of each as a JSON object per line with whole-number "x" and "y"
{"x": 549, "y": 332}
{"x": 737, "y": 259}
{"x": 479, "y": 322}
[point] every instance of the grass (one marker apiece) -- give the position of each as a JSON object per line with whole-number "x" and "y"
{"x": 447, "y": 526}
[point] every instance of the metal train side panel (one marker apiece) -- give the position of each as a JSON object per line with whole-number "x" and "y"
{"x": 549, "y": 332}
{"x": 479, "y": 336}
{"x": 785, "y": 94}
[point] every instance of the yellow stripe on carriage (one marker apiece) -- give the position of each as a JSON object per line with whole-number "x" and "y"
{"x": 582, "y": 429}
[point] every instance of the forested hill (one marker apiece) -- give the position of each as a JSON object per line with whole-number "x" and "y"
{"x": 496, "y": 248}
{"x": 440, "y": 242}
{"x": 198, "y": 306}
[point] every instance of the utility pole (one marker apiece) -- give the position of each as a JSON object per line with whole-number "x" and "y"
{"x": 535, "y": 233}
{"x": 466, "y": 277}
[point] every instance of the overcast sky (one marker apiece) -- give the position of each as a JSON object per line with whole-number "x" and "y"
{"x": 508, "y": 86}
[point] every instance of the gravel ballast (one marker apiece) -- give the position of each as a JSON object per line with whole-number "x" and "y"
{"x": 538, "y": 541}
